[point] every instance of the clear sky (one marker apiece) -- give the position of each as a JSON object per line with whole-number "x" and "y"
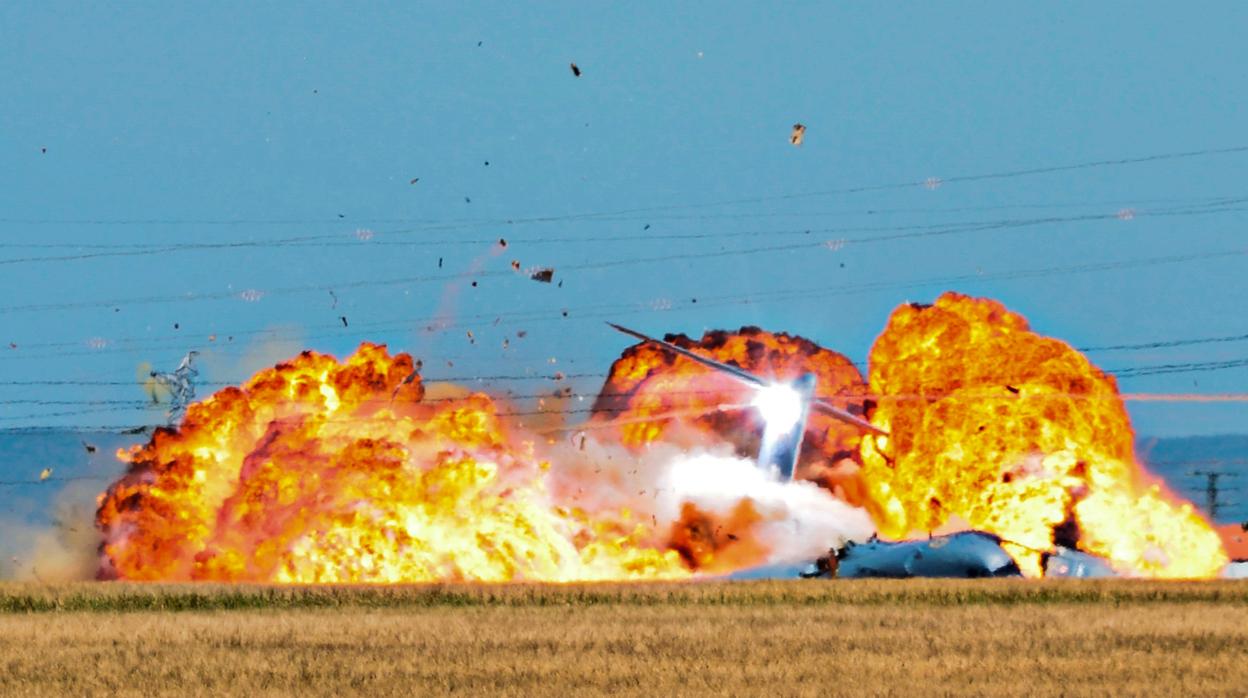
{"x": 128, "y": 132}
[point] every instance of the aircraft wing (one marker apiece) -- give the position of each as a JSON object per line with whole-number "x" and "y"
{"x": 750, "y": 378}
{"x": 840, "y": 414}
{"x": 733, "y": 371}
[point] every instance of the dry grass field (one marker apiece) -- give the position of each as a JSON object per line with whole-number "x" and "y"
{"x": 991, "y": 637}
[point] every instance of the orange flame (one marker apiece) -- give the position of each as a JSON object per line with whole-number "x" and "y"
{"x": 324, "y": 471}
{"x": 320, "y": 471}
{"x": 1019, "y": 435}
{"x": 648, "y": 385}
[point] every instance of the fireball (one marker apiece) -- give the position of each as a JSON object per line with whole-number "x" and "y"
{"x": 319, "y": 471}
{"x": 326, "y": 471}
{"x": 655, "y": 395}
{"x": 1020, "y": 435}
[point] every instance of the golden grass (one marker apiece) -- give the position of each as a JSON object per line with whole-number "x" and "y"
{"x": 997, "y": 637}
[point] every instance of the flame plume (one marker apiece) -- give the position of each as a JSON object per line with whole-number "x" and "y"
{"x": 327, "y": 471}
{"x": 317, "y": 471}
{"x": 654, "y": 394}
{"x": 1020, "y": 435}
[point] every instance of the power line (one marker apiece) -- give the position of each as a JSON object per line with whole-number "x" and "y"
{"x": 921, "y": 231}
{"x": 553, "y": 394}
{"x": 580, "y": 396}
{"x": 1188, "y": 367}
{"x": 790, "y": 295}
{"x": 955, "y": 179}
{"x": 44, "y": 481}
{"x": 1007, "y": 174}
{"x": 336, "y": 241}
{"x": 1164, "y": 344}
{"x": 309, "y": 288}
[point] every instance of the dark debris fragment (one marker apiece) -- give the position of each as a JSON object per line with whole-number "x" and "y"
{"x": 543, "y": 275}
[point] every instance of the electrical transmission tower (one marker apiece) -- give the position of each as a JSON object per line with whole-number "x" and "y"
{"x": 1214, "y": 490}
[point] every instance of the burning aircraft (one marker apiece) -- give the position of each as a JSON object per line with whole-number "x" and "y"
{"x": 783, "y": 406}
{"x": 969, "y": 435}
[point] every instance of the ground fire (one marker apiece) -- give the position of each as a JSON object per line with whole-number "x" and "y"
{"x": 317, "y": 471}
{"x": 320, "y": 471}
{"x": 1018, "y": 435}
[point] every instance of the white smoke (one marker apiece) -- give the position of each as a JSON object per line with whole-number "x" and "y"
{"x": 799, "y": 520}
{"x": 60, "y": 551}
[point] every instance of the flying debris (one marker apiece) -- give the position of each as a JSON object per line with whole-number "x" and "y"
{"x": 576, "y": 72}
{"x": 181, "y": 385}
{"x": 783, "y": 406}
{"x": 799, "y": 133}
{"x": 344, "y": 320}
{"x": 543, "y": 275}
{"x": 89, "y": 448}
{"x": 45, "y": 474}
{"x": 409, "y": 379}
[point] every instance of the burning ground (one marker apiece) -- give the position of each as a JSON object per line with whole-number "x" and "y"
{"x": 323, "y": 471}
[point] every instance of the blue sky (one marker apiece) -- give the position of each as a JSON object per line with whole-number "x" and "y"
{"x": 170, "y": 124}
